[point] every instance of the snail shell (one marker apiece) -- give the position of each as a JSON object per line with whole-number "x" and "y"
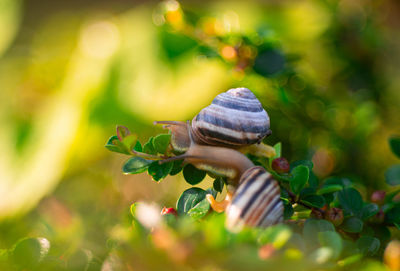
{"x": 256, "y": 202}
{"x": 234, "y": 119}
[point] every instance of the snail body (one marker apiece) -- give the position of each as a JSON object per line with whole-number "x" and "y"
{"x": 255, "y": 200}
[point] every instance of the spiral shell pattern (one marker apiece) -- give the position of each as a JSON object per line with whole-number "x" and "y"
{"x": 235, "y": 118}
{"x": 256, "y": 202}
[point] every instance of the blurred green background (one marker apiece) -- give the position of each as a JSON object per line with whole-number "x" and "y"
{"x": 327, "y": 72}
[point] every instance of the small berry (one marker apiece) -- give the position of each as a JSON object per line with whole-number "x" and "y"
{"x": 166, "y": 211}
{"x": 334, "y": 215}
{"x": 280, "y": 165}
{"x": 378, "y": 197}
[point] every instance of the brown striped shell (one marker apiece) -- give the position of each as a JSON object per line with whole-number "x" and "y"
{"x": 256, "y": 202}
{"x": 234, "y": 119}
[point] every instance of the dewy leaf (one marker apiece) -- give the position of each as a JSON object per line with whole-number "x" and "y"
{"x": 314, "y": 201}
{"x": 329, "y": 189}
{"x": 394, "y": 143}
{"x": 200, "y": 209}
{"x": 368, "y": 245}
{"x": 352, "y": 224}
{"x": 158, "y": 172}
{"x": 113, "y": 144}
{"x": 219, "y": 184}
{"x": 161, "y": 143}
{"x": 30, "y": 251}
{"x": 190, "y": 198}
{"x": 333, "y": 240}
{"x": 299, "y": 178}
{"x": 136, "y": 165}
{"x": 351, "y": 200}
{"x": 148, "y": 147}
{"x": 369, "y": 210}
{"x": 193, "y": 175}
{"x": 122, "y": 132}
{"x": 392, "y": 175}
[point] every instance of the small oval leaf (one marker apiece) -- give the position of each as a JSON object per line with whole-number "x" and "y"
{"x": 193, "y": 175}
{"x": 136, "y": 165}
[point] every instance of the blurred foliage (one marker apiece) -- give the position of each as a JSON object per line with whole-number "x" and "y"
{"x": 327, "y": 72}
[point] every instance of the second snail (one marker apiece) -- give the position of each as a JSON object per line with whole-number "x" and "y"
{"x": 215, "y": 140}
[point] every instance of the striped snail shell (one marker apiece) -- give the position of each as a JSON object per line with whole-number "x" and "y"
{"x": 234, "y": 119}
{"x": 256, "y": 202}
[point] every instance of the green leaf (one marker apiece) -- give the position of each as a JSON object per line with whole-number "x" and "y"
{"x": 306, "y": 163}
{"x": 176, "y": 168}
{"x": 138, "y": 146}
{"x": 278, "y": 150}
{"x": 122, "y": 132}
{"x": 277, "y": 235}
{"x": 307, "y": 191}
{"x": 114, "y": 145}
{"x": 288, "y": 211}
{"x": 148, "y": 147}
{"x": 193, "y": 175}
{"x": 129, "y": 142}
{"x": 161, "y": 143}
{"x": 392, "y": 175}
{"x": 158, "y": 172}
{"x": 329, "y": 189}
{"x": 314, "y": 201}
{"x": 218, "y": 184}
{"x": 368, "y": 245}
{"x": 80, "y": 260}
{"x": 351, "y": 201}
{"x": 190, "y": 198}
{"x": 337, "y": 181}
{"x": 136, "y": 165}
{"x": 393, "y": 215}
{"x": 352, "y": 224}
{"x": 30, "y": 251}
{"x": 332, "y": 240}
{"x": 200, "y": 209}
{"x": 394, "y": 143}
{"x": 299, "y": 178}
{"x": 350, "y": 260}
{"x": 369, "y": 210}
{"x": 313, "y": 180}
{"x": 313, "y": 226}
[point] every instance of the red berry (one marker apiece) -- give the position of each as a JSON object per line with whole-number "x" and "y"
{"x": 378, "y": 197}
{"x": 171, "y": 211}
{"x": 280, "y": 165}
{"x": 334, "y": 215}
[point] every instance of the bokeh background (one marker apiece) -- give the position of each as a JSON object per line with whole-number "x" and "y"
{"x": 327, "y": 72}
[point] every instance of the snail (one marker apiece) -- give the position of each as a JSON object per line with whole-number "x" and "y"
{"x": 235, "y": 119}
{"x": 253, "y": 197}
